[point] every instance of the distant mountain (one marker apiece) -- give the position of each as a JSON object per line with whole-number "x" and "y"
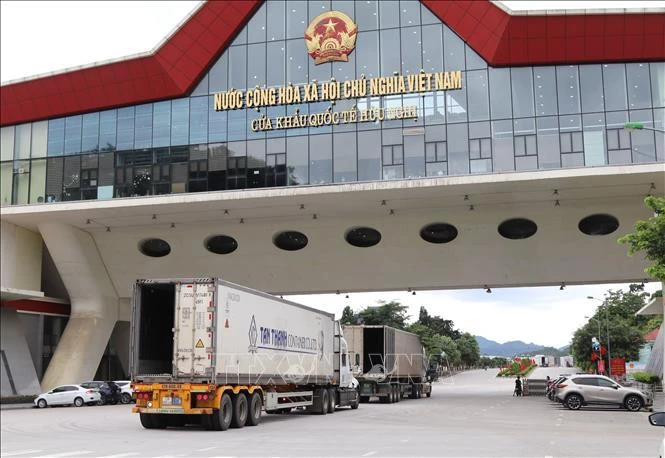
{"x": 513, "y": 348}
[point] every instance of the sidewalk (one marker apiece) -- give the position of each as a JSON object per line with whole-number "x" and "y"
{"x": 659, "y": 402}
{"x": 23, "y": 405}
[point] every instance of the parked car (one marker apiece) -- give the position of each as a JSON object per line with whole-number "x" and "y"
{"x": 586, "y": 389}
{"x": 126, "y": 391}
{"x": 68, "y": 395}
{"x": 658, "y": 419}
{"x": 551, "y": 392}
{"x": 96, "y": 384}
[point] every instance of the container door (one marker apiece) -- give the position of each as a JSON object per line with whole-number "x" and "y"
{"x": 389, "y": 349}
{"x": 336, "y": 351}
{"x": 193, "y": 338}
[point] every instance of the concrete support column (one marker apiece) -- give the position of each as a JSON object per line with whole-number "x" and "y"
{"x": 94, "y": 304}
{"x": 17, "y": 371}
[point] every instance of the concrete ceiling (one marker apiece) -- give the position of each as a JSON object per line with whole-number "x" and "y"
{"x": 479, "y": 256}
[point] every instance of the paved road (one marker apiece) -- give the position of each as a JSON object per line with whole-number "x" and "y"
{"x": 471, "y": 415}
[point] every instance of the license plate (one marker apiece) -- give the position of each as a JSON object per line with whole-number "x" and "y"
{"x": 167, "y": 401}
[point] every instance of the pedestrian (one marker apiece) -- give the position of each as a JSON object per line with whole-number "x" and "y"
{"x": 518, "y": 387}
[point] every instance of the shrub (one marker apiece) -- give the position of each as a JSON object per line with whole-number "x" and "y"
{"x": 646, "y": 377}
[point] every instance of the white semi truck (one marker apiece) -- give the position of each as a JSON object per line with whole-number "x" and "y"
{"x": 206, "y": 351}
{"x": 389, "y": 363}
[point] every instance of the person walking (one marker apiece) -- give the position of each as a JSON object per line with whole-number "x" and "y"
{"x": 518, "y": 387}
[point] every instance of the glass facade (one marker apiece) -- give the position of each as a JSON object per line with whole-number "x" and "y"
{"x": 502, "y": 119}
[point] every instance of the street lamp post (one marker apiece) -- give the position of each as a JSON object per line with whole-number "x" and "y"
{"x": 607, "y": 330}
{"x": 597, "y": 321}
{"x": 598, "y": 336}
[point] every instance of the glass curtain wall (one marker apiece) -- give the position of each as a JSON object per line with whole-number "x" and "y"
{"x": 502, "y": 119}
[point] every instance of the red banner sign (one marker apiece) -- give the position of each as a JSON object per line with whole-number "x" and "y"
{"x": 601, "y": 366}
{"x": 618, "y": 366}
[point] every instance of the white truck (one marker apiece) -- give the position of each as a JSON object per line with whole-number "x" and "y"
{"x": 206, "y": 351}
{"x": 389, "y": 363}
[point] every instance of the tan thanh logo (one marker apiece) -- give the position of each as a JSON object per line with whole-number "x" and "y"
{"x": 331, "y": 36}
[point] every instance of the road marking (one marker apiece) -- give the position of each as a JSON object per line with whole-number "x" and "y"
{"x": 20, "y": 452}
{"x": 369, "y": 454}
{"x": 119, "y": 455}
{"x": 78, "y": 452}
{"x": 205, "y": 449}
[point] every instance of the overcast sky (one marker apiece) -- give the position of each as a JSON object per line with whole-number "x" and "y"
{"x": 41, "y": 37}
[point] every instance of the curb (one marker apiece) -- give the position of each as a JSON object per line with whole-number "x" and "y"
{"x": 16, "y": 406}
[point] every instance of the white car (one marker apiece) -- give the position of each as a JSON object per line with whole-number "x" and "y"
{"x": 125, "y": 391}
{"x": 68, "y": 395}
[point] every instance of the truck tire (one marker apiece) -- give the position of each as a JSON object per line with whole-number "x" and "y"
{"x": 332, "y": 400}
{"x": 356, "y": 401}
{"x": 324, "y": 401}
{"x": 364, "y": 399}
{"x": 220, "y": 420}
{"x": 146, "y": 420}
{"x": 398, "y": 393}
{"x": 240, "y": 410}
{"x": 152, "y": 421}
{"x": 254, "y": 404}
{"x": 414, "y": 391}
{"x": 177, "y": 420}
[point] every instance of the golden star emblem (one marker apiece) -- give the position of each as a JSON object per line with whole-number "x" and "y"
{"x": 330, "y": 26}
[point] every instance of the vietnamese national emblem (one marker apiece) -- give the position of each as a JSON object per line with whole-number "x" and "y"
{"x": 331, "y": 36}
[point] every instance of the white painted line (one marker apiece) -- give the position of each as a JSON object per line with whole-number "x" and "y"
{"x": 205, "y": 449}
{"x": 120, "y": 455}
{"x": 369, "y": 454}
{"x": 20, "y": 452}
{"x": 77, "y": 452}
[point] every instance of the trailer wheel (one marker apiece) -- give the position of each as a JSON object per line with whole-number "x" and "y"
{"x": 364, "y": 399}
{"x": 239, "y": 417}
{"x": 331, "y": 400}
{"x": 414, "y": 392}
{"x": 254, "y": 411}
{"x": 323, "y": 394}
{"x": 152, "y": 421}
{"x": 321, "y": 401}
{"x": 221, "y": 419}
{"x": 398, "y": 393}
{"x": 356, "y": 401}
{"x": 146, "y": 420}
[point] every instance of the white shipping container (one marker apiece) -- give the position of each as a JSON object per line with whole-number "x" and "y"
{"x": 212, "y": 331}
{"x": 265, "y": 340}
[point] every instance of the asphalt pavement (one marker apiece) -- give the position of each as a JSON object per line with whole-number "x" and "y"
{"x": 472, "y": 414}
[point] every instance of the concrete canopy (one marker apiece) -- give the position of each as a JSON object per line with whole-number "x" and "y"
{"x": 479, "y": 256}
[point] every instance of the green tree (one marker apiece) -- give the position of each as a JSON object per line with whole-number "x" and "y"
{"x": 348, "y": 317}
{"x": 617, "y": 320}
{"x": 469, "y": 350}
{"x": 649, "y": 237}
{"x": 438, "y": 324}
{"x": 387, "y": 314}
{"x": 486, "y": 361}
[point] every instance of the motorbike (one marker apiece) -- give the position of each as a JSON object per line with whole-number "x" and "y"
{"x": 110, "y": 394}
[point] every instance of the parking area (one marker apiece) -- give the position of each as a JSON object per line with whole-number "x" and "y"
{"x": 472, "y": 414}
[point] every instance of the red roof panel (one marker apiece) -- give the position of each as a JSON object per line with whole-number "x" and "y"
{"x": 178, "y": 65}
